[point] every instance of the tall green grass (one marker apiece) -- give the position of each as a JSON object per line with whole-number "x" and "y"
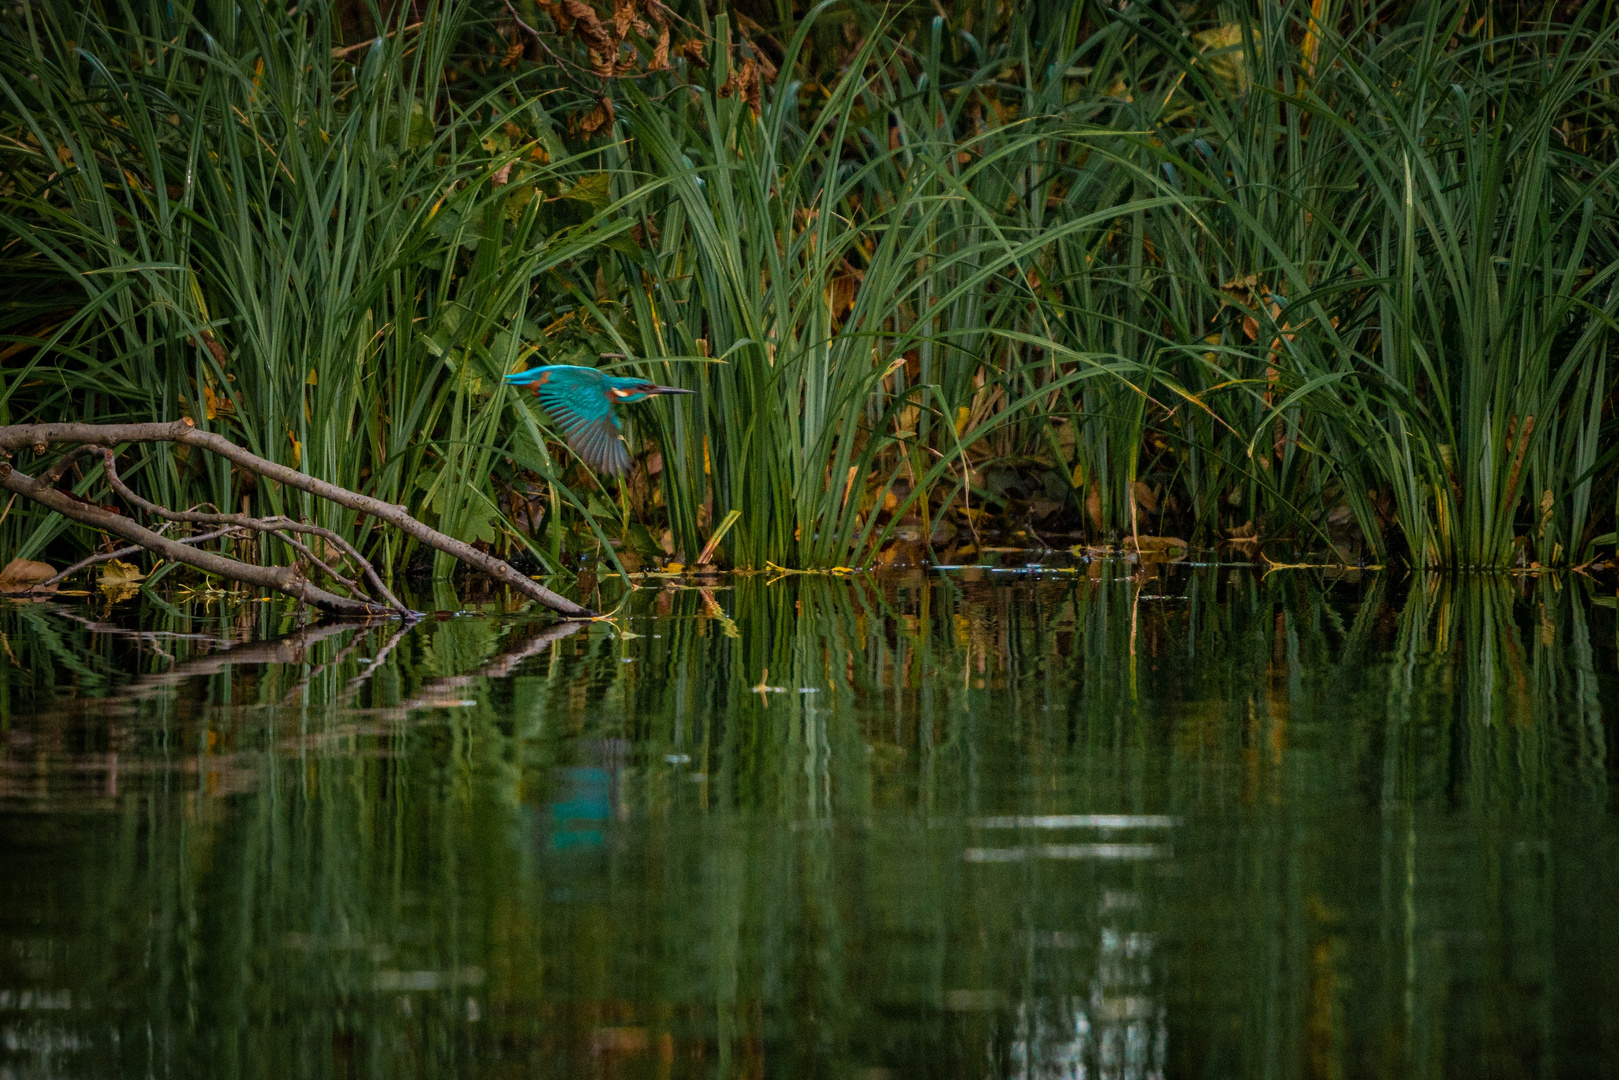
{"x": 1343, "y": 274}
{"x": 212, "y": 216}
{"x": 1437, "y": 235}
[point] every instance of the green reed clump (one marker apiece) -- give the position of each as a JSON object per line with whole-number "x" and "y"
{"x": 1424, "y": 228}
{"x": 325, "y": 253}
{"x": 1318, "y": 273}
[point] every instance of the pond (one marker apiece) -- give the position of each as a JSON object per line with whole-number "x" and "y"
{"x": 1039, "y": 822}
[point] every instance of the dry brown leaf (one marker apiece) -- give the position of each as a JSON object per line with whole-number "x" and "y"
{"x": 23, "y": 575}
{"x": 1246, "y": 531}
{"x": 588, "y": 25}
{"x": 590, "y": 121}
{"x": 660, "y": 53}
{"x": 214, "y": 347}
{"x": 1156, "y": 543}
{"x": 693, "y": 51}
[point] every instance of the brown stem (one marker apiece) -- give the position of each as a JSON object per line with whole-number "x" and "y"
{"x": 297, "y": 545}
{"x": 342, "y": 52}
{"x": 59, "y": 468}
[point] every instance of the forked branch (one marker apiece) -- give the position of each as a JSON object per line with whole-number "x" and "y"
{"x": 377, "y": 600}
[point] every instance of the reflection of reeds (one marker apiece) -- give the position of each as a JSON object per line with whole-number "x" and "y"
{"x": 1280, "y": 832}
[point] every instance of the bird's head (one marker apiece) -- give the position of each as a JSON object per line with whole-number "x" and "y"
{"x": 627, "y": 391}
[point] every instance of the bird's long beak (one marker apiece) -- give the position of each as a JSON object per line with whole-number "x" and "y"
{"x": 668, "y": 390}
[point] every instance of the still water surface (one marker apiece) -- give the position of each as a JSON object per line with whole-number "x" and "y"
{"x": 971, "y": 824}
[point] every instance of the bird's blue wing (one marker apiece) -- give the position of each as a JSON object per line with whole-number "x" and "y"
{"x": 601, "y": 447}
{"x": 586, "y": 419}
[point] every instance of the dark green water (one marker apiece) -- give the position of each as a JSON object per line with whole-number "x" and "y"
{"x": 964, "y": 825}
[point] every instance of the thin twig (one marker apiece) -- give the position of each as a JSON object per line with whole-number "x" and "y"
{"x": 308, "y": 553}
{"x": 19, "y": 436}
{"x": 277, "y": 525}
{"x": 342, "y": 51}
{"x": 282, "y": 579}
{"x": 132, "y": 549}
{"x": 59, "y": 468}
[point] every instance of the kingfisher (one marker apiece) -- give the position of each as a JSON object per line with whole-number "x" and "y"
{"x": 580, "y": 401}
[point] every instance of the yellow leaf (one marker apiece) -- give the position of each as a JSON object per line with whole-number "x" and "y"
{"x": 1155, "y": 548}
{"x": 297, "y": 450}
{"x": 215, "y": 404}
{"x": 117, "y": 574}
{"x": 1225, "y": 54}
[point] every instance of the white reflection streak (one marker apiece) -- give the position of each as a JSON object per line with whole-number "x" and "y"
{"x": 1066, "y": 851}
{"x": 1120, "y": 1033}
{"x": 1079, "y": 821}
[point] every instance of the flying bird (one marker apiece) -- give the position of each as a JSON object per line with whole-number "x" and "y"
{"x": 580, "y": 401}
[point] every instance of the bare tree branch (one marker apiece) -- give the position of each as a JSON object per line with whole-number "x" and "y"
{"x": 276, "y": 525}
{"x": 133, "y": 549}
{"x": 286, "y": 580}
{"x": 282, "y": 579}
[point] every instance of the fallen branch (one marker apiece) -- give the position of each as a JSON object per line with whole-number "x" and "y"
{"x": 276, "y": 525}
{"x": 288, "y": 580}
{"x": 119, "y": 553}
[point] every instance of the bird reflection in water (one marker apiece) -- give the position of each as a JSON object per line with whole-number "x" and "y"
{"x": 581, "y": 808}
{"x": 1118, "y": 1032}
